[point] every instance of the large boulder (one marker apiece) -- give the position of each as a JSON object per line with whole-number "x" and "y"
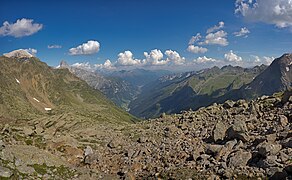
{"x": 238, "y": 131}
{"x": 219, "y": 131}
{"x": 268, "y": 148}
{"x": 239, "y": 159}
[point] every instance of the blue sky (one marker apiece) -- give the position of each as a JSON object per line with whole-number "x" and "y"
{"x": 141, "y": 26}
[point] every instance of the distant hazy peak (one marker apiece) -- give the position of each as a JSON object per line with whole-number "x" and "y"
{"x": 63, "y": 64}
{"x": 20, "y": 53}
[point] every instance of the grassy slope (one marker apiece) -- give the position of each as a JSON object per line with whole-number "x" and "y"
{"x": 54, "y": 88}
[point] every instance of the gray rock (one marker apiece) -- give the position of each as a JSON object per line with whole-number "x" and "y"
{"x": 113, "y": 144}
{"x": 239, "y": 126}
{"x": 230, "y": 144}
{"x": 91, "y": 159}
{"x": 228, "y": 104}
{"x": 268, "y": 148}
{"x": 5, "y": 172}
{"x": 39, "y": 130}
{"x": 27, "y": 131}
{"x": 219, "y": 131}
{"x": 283, "y": 120}
{"x": 276, "y": 173}
{"x": 88, "y": 150}
{"x": 269, "y": 161}
{"x": 238, "y": 131}
{"x": 239, "y": 158}
{"x": 142, "y": 139}
{"x": 213, "y": 149}
{"x": 25, "y": 169}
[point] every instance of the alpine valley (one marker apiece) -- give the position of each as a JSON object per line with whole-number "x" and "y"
{"x": 57, "y": 123}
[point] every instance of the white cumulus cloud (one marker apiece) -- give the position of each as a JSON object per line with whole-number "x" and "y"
{"x": 217, "y": 38}
{"x": 90, "y": 47}
{"x": 262, "y": 60}
{"x": 268, "y": 60}
{"x": 174, "y": 57}
{"x": 84, "y": 65}
{"x": 243, "y": 32}
{"x": 106, "y": 65}
{"x": 204, "y": 59}
{"x": 232, "y": 57}
{"x": 195, "y": 38}
{"x": 197, "y": 49}
{"x": 276, "y": 12}
{"x": 216, "y": 27}
{"x": 22, "y": 27}
{"x": 154, "y": 58}
{"x": 54, "y": 46}
{"x": 126, "y": 59}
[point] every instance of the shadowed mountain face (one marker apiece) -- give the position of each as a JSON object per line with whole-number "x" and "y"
{"x": 277, "y": 77}
{"x": 29, "y": 88}
{"x": 173, "y": 93}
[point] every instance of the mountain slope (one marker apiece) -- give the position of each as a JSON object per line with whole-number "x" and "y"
{"x": 174, "y": 93}
{"x": 28, "y": 88}
{"x": 277, "y": 77}
{"x": 118, "y": 90}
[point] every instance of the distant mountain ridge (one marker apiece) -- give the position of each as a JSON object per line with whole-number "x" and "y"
{"x": 182, "y": 91}
{"x": 139, "y": 77}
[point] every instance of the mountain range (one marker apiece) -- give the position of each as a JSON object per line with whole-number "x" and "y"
{"x": 174, "y": 93}
{"x": 55, "y": 126}
{"x": 147, "y": 94}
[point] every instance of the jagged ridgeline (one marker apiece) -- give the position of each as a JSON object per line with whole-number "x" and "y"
{"x": 174, "y": 93}
{"x": 30, "y": 88}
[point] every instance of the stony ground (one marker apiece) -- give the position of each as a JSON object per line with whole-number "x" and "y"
{"x": 234, "y": 140}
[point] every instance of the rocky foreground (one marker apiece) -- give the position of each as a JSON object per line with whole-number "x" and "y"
{"x": 239, "y": 140}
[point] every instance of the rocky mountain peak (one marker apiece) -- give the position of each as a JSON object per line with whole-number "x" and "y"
{"x": 20, "y": 53}
{"x": 283, "y": 61}
{"x": 277, "y": 77}
{"x": 64, "y": 64}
